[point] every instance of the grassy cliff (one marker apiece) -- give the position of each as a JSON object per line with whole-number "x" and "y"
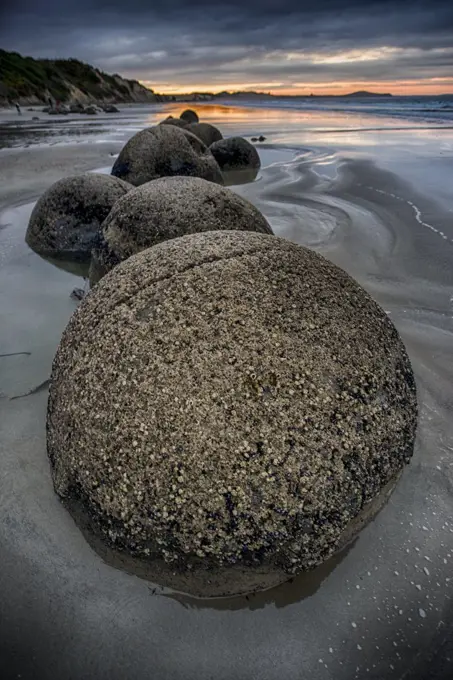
{"x": 33, "y": 81}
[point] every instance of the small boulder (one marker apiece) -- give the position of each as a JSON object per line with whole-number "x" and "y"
{"x": 226, "y": 409}
{"x": 35, "y": 118}
{"x": 76, "y": 108}
{"x": 254, "y": 139}
{"x": 261, "y": 138}
{"x": 165, "y": 209}
{"x": 90, "y": 110}
{"x": 238, "y": 159}
{"x": 189, "y": 116}
{"x": 164, "y": 151}
{"x": 65, "y": 222}
{"x": 110, "y": 108}
{"x": 206, "y": 132}
{"x": 173, "y": 121}
{"x": 60, "y": 110}
{"x": 77, "y": 294}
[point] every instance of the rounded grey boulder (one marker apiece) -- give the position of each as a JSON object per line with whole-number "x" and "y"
{"x": 237, "y": 158}
{"x": 189, "y": 116}
{"x": 206, "y": 132}
{"x": 165, "y": 151}
{"x": 65, "y": 222}
{"x": 165, "y": 209}
{"x": 177, "y": 122}
{"x": 225, "y": 408}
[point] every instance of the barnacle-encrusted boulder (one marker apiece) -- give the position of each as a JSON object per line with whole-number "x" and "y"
{"x": 65, "y": 222}
{"x": 165, "y": 151}
{"x": 225, "y": 408}
{"x": 167, "y": 208}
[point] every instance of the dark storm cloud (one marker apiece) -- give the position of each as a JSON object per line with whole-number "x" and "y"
{"x": 231, "y": 41}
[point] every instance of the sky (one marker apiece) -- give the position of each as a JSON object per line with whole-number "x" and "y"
{"x": 278, "y": 46}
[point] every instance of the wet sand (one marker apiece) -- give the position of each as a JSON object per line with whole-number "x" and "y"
{"x": 377, "y": 203}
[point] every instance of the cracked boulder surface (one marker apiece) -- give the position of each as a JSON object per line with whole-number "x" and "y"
{"x": 167, "y": 208}
{"x": 66, "y": 220}
{"x": 224, "y": 407}
{"x": 165, "y": 151}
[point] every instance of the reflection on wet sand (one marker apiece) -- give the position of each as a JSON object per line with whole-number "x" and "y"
{"x": 296, "y": 589}
{"x": 72, "y": 267}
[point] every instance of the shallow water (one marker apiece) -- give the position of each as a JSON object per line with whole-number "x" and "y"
{"x": 377, "y": 204}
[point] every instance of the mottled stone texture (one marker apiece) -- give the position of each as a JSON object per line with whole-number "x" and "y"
{"x": 206, "y": 132}
{"x": 167, "y": 208}
{"x": 165, "y": 151}
{"x": 225, "y": 399}
{"x": 66, "y": 220}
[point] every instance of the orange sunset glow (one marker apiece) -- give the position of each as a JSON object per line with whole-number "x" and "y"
{"x": 327, "y": 73}
{"x": 431, "y": 86}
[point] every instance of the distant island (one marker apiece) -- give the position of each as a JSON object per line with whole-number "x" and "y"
{"x": 364, "y": 93}
{"x": 265, "y": 95}
{"x": 28, "y": 81}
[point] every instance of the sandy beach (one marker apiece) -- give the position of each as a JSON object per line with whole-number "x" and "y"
{"x": 374, "y": 195}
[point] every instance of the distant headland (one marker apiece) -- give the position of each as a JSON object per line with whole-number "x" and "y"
{"x": 28, "y": 81}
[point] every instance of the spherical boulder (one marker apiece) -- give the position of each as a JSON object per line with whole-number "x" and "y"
{"x": 189, "y": 116}
{"x": 66, "y": 220}
{"x": 237, "y": 158}
{"x": 224, "y": 410}
{"x": 167, "y": 208}
{"x": 206, "y": 132}
{"x": 174, "y": 121}
{"x": 164, "y": 151}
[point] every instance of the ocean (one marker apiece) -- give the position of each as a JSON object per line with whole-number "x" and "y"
{"x": 421, "y": 108}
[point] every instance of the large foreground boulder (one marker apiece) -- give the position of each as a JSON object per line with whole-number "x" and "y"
{"x": 189, "y": 116}
{"x": 224, "y": 410}
{"x": 206, "y": 132}
{"x": 237, "y": 158}
{"x": 65, "y": 222}
{"x": 165, "y": 151}
{"x": 167, "y": 208}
